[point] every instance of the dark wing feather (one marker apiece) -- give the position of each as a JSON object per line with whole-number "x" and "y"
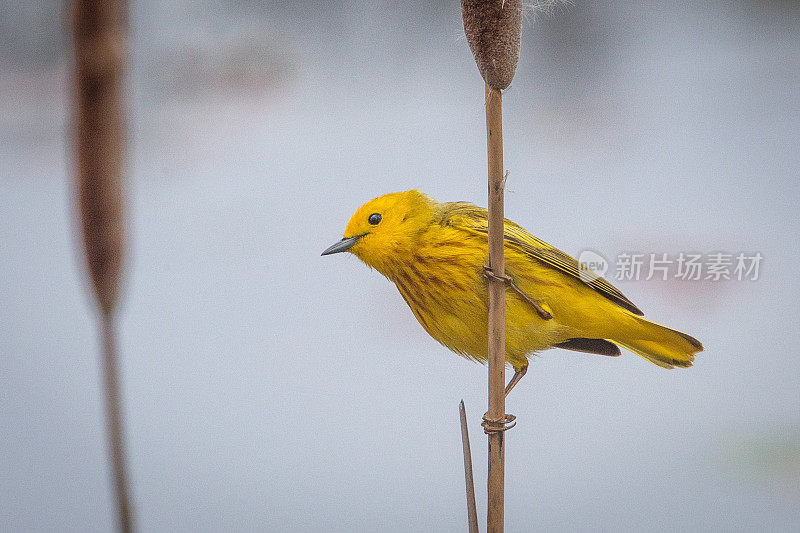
{"x": 598, "y": 346}
{"x": 475, "y": 218}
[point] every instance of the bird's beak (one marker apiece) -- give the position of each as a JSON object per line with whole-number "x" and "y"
{"x": 342, "y": 246}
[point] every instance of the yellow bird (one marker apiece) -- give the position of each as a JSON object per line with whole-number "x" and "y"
{"x": 435, "y": 253}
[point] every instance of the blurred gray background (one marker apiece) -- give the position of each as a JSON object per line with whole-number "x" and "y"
{"x": 267, "y": 388}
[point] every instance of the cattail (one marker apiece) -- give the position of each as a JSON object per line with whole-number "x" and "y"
{"x": 100, "y": 49}
{"x": 99, "y": 124}
{"x": 493, "y": 29}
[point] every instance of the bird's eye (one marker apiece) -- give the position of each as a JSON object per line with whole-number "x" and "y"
{"x": 374, "y": 219}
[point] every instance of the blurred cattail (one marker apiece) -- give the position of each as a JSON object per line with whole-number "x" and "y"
{"x": 100, "y": 49}
{"x": 493, "y": 29}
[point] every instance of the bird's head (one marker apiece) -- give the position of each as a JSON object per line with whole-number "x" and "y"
{"x": 383, "y": 230}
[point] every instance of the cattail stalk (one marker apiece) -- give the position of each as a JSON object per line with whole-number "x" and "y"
{"x": 497, "y": 309}
{"x": 493, "y": 29}
{"x": 99, "y": 37}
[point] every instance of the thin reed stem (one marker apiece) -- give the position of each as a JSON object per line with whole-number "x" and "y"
{"x": 472, "y": 511}
{"x": 114, "y": 423}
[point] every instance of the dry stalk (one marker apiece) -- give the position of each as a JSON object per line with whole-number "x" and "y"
{"x": 497, "y": 310}
{"x": 472, "y": 510}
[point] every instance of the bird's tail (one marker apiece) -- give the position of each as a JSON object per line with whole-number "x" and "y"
{"x": 660, "y": 345}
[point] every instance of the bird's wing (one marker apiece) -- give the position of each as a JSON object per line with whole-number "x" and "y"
{"x": 473, "y": 218}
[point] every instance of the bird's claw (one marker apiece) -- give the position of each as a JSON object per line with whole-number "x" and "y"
{"x": 498, "y": 425}
{"x": 541, "y": 311}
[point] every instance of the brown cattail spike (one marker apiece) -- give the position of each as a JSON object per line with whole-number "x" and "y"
{"x": 493, "y": 29}
{"x": 100, "y": 49}
{"x": 99, "y": 32}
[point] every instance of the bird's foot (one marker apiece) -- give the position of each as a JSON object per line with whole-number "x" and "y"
{"x": 518, "y": 375}
{"x": 498, "y": 425}
{"x": 541, "y": 311}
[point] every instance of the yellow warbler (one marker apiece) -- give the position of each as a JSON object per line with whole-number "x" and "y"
{"x": 435, "y": 253}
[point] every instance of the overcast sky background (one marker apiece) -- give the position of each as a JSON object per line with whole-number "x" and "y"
{"x": 267, "y": 388}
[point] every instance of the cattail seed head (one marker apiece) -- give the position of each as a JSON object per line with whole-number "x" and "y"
{"x": 99, "y": 33}
{"x": 493, "y": 29}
